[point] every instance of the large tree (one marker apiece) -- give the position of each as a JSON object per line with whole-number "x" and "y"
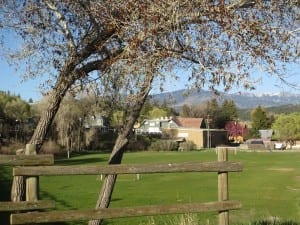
{"x": 228, "y": 112}
{"x": 287, "y": 127}
{"x": 259, "y": 121}
{"x": 220, "y": 40}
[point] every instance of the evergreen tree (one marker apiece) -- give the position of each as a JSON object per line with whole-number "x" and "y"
{"x": 213, "y": 111}
{"x": 228, "y": 112}
{"x": 259, "y": 121}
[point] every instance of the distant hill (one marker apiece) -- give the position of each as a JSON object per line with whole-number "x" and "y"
{"x": 244, "y": 114}
{"x": 245, "y": 102}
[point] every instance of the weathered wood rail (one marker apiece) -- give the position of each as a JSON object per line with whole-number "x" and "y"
{"x": 37, "y": 165}
{"x": 22, "y": 161}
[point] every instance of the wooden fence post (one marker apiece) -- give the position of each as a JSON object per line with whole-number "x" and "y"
{"x": 32, "y": 183}
{"x": 223, "y": 186}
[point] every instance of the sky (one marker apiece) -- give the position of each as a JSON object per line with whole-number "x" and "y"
{"x": 11, "y": 80}
{"x": 266, "y": 84}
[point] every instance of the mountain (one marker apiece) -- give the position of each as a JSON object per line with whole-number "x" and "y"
{"x": 179, "y": 98}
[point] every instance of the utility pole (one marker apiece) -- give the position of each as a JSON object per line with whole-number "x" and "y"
{"x": 207, "y": 122}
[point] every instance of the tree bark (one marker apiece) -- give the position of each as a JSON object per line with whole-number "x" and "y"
{"x": 66, "y": 78}
{"x": 110, "y": 179}
{"x": 18, "y": 185}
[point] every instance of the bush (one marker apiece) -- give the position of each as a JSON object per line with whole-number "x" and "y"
{"x": 163, "y": 145}
{"x": 50, "y": 147}
{"x": 187, "y": 146}
{"x": 138, "y": 143}
{"x": 11, "y": 149}
{"x": 95, "y": 139}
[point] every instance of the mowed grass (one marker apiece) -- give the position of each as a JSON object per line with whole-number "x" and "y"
{"x": 268, "y": 187}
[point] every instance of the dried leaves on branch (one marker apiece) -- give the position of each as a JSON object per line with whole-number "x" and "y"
{"x": 220, "y": 40}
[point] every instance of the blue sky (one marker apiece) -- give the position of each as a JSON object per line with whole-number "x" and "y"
{"x": 268, "y": 84}
{"x": 11, "y": 80}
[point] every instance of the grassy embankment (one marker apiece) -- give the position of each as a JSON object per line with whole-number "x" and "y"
{"x": 269, "y": 186}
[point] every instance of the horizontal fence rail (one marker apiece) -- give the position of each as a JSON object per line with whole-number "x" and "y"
{"x": 110, "y": 213}
{"x": 128, "y": 169}
{"x": 21, "y": 206}
{"x": 26, "y": 160}
{"x": 32, "y": 166}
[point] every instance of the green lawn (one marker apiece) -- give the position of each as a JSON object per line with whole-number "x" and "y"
{"x": 268, "y": 187}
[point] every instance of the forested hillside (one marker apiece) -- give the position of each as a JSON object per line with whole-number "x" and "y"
{"x": 244, "y": 114}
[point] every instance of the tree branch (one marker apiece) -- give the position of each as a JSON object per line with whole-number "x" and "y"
{"x": 64, "y": 25}
{"x": 241, "y": 4}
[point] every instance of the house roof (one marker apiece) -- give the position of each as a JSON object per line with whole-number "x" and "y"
{"x": 189, "y": 122}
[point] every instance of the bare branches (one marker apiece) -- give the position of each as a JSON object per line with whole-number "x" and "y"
{"x": 212, "y": 36}
{"x": 64, "y": 25}
{"x": 241, "y": 4}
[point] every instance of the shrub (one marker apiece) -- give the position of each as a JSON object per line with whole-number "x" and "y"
{"x": 11, "y": 149}
{"x": 50, "y": 147}
{"x": 97, "y": 140}
{"x": 137, "y": 145}
{"x": 187, "y": 146}
{"x": 164, "y": 145}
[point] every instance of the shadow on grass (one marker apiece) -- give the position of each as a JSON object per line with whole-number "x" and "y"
{"x": 5, "y": 184}
{"x": 82, "y": 159}
{"x": 67, "y": 206}
{"x": 61, "y": 202}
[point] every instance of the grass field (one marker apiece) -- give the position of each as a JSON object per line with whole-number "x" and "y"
{"x": 268, "y": 187}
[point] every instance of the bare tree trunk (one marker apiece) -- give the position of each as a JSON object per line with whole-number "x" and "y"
{"x": 58, "y": 93}
{"x": 18, "y": 184}
{"x": 118, "y": 150}
{"x": 18, "y": 189}
{"x": 110, "y": 179}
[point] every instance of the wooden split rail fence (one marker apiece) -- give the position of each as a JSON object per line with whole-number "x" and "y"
{"x": 42, "y": 165}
